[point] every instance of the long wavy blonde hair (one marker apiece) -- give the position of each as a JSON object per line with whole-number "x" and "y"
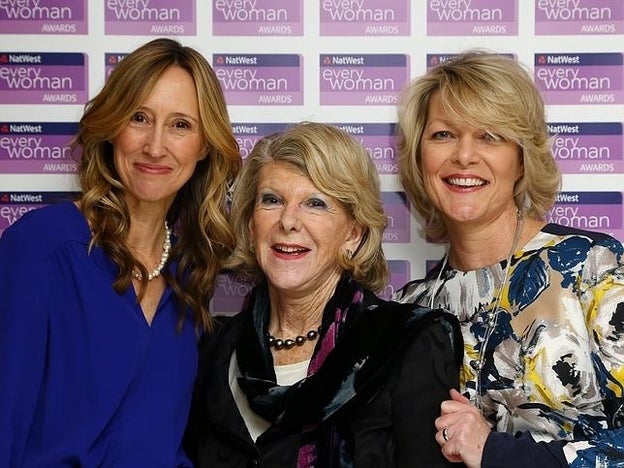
{"x": 199, "y": 212}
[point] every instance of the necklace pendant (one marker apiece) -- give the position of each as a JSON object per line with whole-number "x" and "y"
{"x": 476, "y": 365}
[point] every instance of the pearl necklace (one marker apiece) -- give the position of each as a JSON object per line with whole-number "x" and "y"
{"x": 278, "y": 343}
{"x": 492, "y": 315}
{"x": 163, "y": 258}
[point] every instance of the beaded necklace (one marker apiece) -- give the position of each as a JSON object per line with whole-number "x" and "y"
{"x": 492, "y": 315}
{"x": 163, "y": 258}
{"x": 289, "y": 343}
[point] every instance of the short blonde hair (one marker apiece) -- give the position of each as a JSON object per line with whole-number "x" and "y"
{"x": 489, "y": 91}
{"x": 339, "y": 167}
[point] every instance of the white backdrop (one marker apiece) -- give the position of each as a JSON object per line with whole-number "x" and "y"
{"x": 336, "y": 61}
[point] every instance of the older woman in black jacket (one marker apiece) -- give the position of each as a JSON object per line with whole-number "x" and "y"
{"x": 317, "y": 370}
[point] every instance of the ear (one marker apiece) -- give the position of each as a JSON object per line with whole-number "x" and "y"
{"x": 205, "y": 152}
{"x": 250, "y": 228}
{"x": 520, "y": 173}
{"x": 352, "y": 242}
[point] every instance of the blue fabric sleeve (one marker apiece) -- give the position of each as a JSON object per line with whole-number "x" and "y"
{"x": 23, "y": 336}
{"x": 502, "y": 450}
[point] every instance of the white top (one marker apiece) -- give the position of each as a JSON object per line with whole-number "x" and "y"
{"x": 286, "y": 375}
{"x": 291, "y": 373}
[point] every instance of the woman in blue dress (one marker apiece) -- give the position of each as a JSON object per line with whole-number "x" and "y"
{"x": 103, "y": 297}
{"x": 541, "y": 305}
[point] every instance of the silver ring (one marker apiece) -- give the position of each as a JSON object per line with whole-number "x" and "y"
{"x": 445, "y": 435}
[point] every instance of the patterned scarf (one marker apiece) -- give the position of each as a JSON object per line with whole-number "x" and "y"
{"x": 349, "y": 363}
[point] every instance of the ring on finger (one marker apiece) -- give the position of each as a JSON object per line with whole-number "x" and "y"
{"x": 445, "y": 434}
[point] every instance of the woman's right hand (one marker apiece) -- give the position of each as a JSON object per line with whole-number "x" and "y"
{"x": 462, "y": 430}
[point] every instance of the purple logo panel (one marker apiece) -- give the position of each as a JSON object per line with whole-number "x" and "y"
{"x": 592, "y": 148}
{"x": 37, "y": 148}
{"x": 594, "y": 211}
{"x": 596, "y": 78}
{"x": 433, "y": 60}
{"x": 43, "y": 17}
{"x": 273, "y": 79}
{"x": 110, "y": 62}
{"x": 430, "y": 264}
{"x": 43, "y": 78}
{"x": 230, "y": 294}
{"x": 560, "y": 17}
{"x": 150, "y": 17}
{"x": 398, "y": 212}
{"x": 365, "y": 80}
{"x": 399, "y": 275}
{"x": 379, "y": 141}
{"x": 257, "y": 17}
{"x": 248, "y": 134}
{"x": 364, "y": 17}
{"x": 472, "y": 18}
{"x": 13, "y": 205}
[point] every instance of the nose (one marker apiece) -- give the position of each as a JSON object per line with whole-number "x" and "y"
{"x": 290, "y": 220}
{"x": 466, "y": 151}
{"x": 155, "y": 142}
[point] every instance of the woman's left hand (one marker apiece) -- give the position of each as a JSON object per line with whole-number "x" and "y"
{"x": 462, "y": 430}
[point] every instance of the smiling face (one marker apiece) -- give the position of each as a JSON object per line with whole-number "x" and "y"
{"x": 156, "y": 153}
{"x": 469, "y": 173}
{"x": 298, "y": 232}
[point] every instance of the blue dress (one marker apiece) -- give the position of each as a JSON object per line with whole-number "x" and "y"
{"x": 84, "y": 379}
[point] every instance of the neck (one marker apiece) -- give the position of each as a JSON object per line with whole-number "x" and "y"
{"x": 476, "y": 247}
{"x": 295, "y": 314}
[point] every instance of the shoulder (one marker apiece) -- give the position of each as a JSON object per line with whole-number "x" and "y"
{"x": 47, "y": 227}
{"x": 593, "y": 253}
{"x": 592, "y": 238}
{"x": 415, "y": 321}
{"x": 41, "y": 234}
{"x": 224, "y": 332}
{"x": 416, "y": 312}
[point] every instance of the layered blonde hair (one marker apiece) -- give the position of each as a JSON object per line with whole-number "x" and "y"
{"x": 492, "y": 92}
{"x": 338, "y": 166}
{"x": 199, "y": 212}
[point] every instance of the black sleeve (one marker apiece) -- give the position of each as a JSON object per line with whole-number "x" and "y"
{"x": 503, "y": 450}
{"x": 197, "y": 414}
{"x": 429, "y": 369}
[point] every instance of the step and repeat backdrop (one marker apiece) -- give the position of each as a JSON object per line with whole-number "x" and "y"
{"x": 335, "y": 61}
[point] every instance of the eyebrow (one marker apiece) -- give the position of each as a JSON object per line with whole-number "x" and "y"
{"x": 174, "y": 114}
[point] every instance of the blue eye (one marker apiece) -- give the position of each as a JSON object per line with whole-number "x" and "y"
{"x": 316, "y": 203}
{"x": 492, "y": 137}
{"x": 441, "y": 135}
{"x": 269, "y": 199}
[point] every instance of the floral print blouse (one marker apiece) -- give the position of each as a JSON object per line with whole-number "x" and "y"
{"x": 553, "y": 361}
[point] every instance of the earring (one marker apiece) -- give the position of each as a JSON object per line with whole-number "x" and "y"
{"x": 251, "y": 246}
{"x": 349, "y": 254}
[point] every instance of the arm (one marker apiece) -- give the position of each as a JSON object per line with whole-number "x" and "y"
{"x": 198, "y": 420}
{"x": 602, "y": 298}
{"x": 23, "y": 309}
{"x": 470, "y": 440}
{"x": 600, "y": 291}
{"x": 197, "y": 415}
{"x": 428, "y": 370}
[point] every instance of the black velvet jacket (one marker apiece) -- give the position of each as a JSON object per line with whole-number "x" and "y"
{"x": 411, "y": 359}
